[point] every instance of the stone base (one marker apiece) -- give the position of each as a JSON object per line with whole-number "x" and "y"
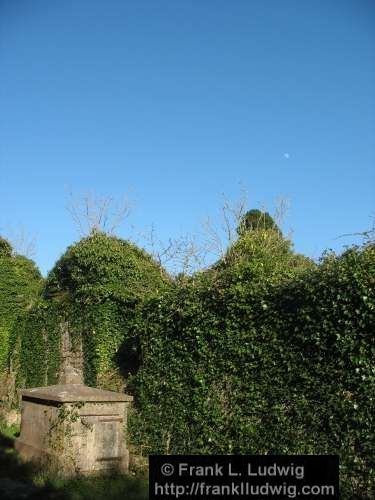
{"x": 27, "y": 451}
{"x": 30, "y": 453}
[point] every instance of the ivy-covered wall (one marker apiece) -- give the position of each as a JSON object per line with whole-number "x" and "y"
{"x": 250, "y": 360}
{"x": 265, "y": 352}
{"x": 20, "y": 286}
{"x": 92, "y": 290}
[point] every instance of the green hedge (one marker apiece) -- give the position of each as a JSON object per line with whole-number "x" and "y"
{"x": 255, "y": 359}
{"x": 92, "y": 290}
{"x": 192, "y": 343}
{"x": 20, "y": 286}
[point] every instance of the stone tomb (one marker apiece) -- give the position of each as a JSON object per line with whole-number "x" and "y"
{"x": 78, "y": 428}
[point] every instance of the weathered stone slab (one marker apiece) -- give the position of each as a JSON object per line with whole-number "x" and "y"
{"x": 65, "y": 393}
{"x": 79, "y": 427}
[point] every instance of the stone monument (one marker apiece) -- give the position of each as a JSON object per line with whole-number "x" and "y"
{"x": 78, "y": 428}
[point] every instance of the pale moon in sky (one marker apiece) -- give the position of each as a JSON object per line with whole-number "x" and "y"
{"x": 286, "y": 155}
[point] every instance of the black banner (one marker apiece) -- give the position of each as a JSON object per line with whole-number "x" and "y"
{"x": 260, "y": 477}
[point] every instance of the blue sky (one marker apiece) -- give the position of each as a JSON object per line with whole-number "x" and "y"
{"x": 177, "y": 102}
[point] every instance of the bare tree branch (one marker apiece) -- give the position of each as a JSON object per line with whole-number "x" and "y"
{"x": 92, "y": 213}
{"x": 184, "y": 254}
{"x": 192, "y": 252}
{"x": 367, "y": 236}
{"x": 22, "y": 241}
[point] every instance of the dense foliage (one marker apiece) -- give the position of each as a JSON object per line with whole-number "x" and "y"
{"x": 265, "y": 352}
{"x": 5, "y": 248}
{"x": 20, "y": 285}
{"x": 91, "y": 291}
{"x": 102, "y": 267}
{"x": 259, "y": 359}
{"x": 254, "y": 220}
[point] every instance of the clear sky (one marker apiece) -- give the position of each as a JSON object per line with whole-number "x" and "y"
{"x": 177, "y": 102}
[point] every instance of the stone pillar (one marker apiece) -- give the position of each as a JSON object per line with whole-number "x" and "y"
{"x": 71, "y": 359}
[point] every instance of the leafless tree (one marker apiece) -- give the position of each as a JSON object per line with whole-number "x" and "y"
{"x": 183, "y": 254}
{"x": 218, "y": 235}
{"x": 23, "y": 242}
{"x": 193, "y": 252}
{"x": 281, "y": 209}
{"x": 92, "y": 213}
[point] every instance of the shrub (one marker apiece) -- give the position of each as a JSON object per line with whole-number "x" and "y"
{"x": 255, "y": 220}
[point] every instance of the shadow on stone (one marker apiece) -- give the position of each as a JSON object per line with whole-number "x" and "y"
{"x": 16, "y": 476}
